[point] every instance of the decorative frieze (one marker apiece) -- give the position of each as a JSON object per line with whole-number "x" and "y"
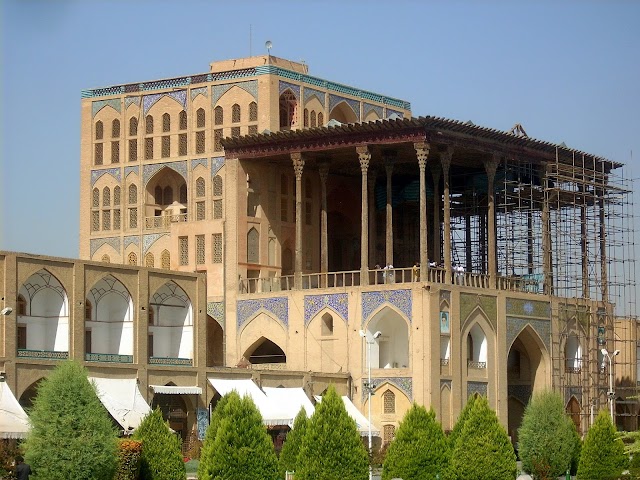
{"x": 401, "y": 299}
{"x": 338, "y": 302}
{"x": 277, "y": 306}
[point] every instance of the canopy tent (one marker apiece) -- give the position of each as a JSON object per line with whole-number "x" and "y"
{"x": 176, "y": 390}
{"x": 14, "y": 422}
{"x": 122, "y": 398}
{"x": 291, "y": 399}
{"x": 272, "y": 413}
{"x": 361, "y": 421}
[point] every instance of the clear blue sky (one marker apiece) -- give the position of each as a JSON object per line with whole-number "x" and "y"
{"x": 567, "y": 71}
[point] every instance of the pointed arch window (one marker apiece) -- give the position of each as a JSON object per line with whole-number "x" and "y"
{"x": 115, "y": 128}
{"x": 157, "y": 195}
{"x": 288, "y": 106}
{"x": 148, "y": 260}
{"x": 253, "y": 112}
{"x": 305, "y": 117}
{"x": 167, "y": 196}
{"x": 389, "y": 433}
{"x": 165, "y": 260}
{"x": 200, "y": 118}
{"x": 253, "y": 246}
{"x": 96, "y": 198}
{"x": 133, "y": 126}
{"x": 573, "y": 354}
{"x": 116, "y": 195}
{"x": 132, "y": 258}
{"x": 476, "y": 348}
{"x": 200, "y": 187}
{"x": 217, "y": 186}
{"x": 166, "y": 122}
{"x": 313, "y": 118}
{"x": 320, "y": 119}
{"x": 389, "y": 402}
{"x": 21, "y": 305}
{"x": 183, "y": 120}
{"x": 235, "y": 113}
{"x": 218, "y": 115}
{"x": 133, "y": 194}
{"x": 149, "y": 124}
{"x": 327, "y": 322}
{"x": 183, "y": 193}
{"x": 99, "y": 130}
{"x": 106, "y": 197}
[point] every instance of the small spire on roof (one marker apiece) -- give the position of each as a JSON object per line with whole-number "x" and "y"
{"x": 518, "y": 131}
{"x": 470, "y": 123}
{"x": 562, "y": 144}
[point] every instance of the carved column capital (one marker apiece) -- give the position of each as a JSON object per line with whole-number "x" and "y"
{"x": 323, "y": 170}
{"x": 298, "y": 164}
{"x": 422, "y": 152}
{"x": 445, "y": 159}
{"x": 491, "y": 165}
{"x": 364, "y": 155}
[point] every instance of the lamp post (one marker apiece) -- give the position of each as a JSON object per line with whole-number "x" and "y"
{"x": 611, "y": 393}
{"x": 369, "y": 386}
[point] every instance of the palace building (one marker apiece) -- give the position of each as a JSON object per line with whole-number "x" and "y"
{"x": 255, "y": 222}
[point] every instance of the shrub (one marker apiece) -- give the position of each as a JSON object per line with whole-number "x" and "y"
{"x": 331, "y": 447}
{"x": 602, "y": 455}
{"x": 207, "y": 450}
{"x": 483, "y": 450}
{"x": 129, "y": 454}
{"x": 289, "y": 454}
{"x": 420, "y": 449}
{"x": 242, "y": 449}
{"x": 547, "y": 437}
{"x": 72, "y": 435}
{"x": 462, "y": 418}
{"x": 161, "y": 454}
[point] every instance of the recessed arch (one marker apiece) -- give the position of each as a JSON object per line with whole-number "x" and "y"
{"x": 391, "y": 348}
{"x": 264, "y": 351}
{"x": 288, "y": 108}
{"x": 29, "y": 395}
{"x": 343, "y": 113}
{"x": 574, "y": 410}
{"x": 172, "y": 330}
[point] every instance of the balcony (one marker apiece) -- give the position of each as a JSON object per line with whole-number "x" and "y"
{"x": 108, "y": 358}
{"x": 42, "y": 354}
{"x": 163, "y": 222}
{"x": 476, "y": 365}
{"x": 171, "y": 361}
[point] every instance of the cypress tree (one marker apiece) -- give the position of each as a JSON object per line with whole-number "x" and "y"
{"x": 462, "y": 418}
{"x": 242, "y": 449}
{"x": 483, "y": 450}
{"x": 332, "y": 448}
{"x": 288, "y": 461}
{"x": 161, "y": 454}
{"x": 547, "y": 437}
{"x": 206, "y": 454}
{"x": 420, "y": 450}
{"x": 71, "y": 433}
{"x": 602, "y": 456}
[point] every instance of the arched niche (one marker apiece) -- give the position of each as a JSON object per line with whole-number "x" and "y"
{"x": 391, "y": 349}
{"x": 253, "y": 335}
{"x": 343, "y": 113}
{"x": 264, "y": 351}
{"x": 215, "y": 343}
{"x": 172, "y": 331}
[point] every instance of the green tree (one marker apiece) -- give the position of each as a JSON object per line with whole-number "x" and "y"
{"x": 483, "y": 450}
{"x": 602, "y": 455}
{"x": 420, "y": 450}
{"x": 331, "y": 447}
{"x": 242, "y": 449}
{"x": 71, "y": 433}
{"x": 288, "y": 461}
{"x": 161, "y": 453}
{"x": 547, "y": 437}
{"x": 462, "y": 419}
{"x": 206, "y": 454}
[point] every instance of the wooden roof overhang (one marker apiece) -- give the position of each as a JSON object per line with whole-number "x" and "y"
{"x": 471, "y": 145}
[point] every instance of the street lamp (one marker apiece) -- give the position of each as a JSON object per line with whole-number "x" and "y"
{"x": 370, "y": 339}
{"x": 611, "y": 393}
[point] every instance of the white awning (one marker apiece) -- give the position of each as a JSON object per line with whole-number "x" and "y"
{"x": 14, "y": 422}
{"x": 291, "y": 399}
{"x": 361, "y": 421}
{"x": 176, "y": 390}
{"x": 122, "y": 398}
{"x": 272, "y": 413}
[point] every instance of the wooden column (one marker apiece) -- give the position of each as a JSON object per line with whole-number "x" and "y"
{"x": 603, "y": 246}
{"x": 324, "y": 244}
{"x": 547, "y": 268}
{"x": 490, "y": 167}
{"x": 364, "y": 156}
{"x": 298, "y": 167}
{"x": 435, "y": 242}
{"x": 373, "y": 239}
{"x": 445, "y": 160}
{"x": 389, "y": 160}
{"x": 422, "y": 152}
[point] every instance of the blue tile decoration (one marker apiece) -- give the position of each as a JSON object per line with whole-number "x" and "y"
{"x": 394, "y": 112}
{"x": 149, "y": 170}
{"x": 309, "y": 93}
{"x": 401, "y": 299}
{"x": 376, "y": 108}
{"x": 528, "y": 308}
{"x": 129, "y": 240}
{"x": 149, "y": 239}
{"x": 405, "y": 384}
{"x": 132, "y": 101}
{"x": 96, "y": 243}
{"x": 521, "y": 392}
{"x": 278, "y": 306}
{"x": 98, "y": 105}
{"x": 96, "y": 174}
{"x": 354, "y": 104}
{"x": 337, "y": 302}
{"x": 216, "y": 311}
{"x": 179, "y": 96}
{"x": 289, "y": 86}
{"x": 204, "y": 91}
{"x": 199, "y": 161}
{"x": 541, "y": 327}
{"x": 202, "y": 416}
{"x": 250, "y": 87}
{"x": 134, "y": 169}
{"x": 216, "y": 164}
{"x": 476, "y": 387}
